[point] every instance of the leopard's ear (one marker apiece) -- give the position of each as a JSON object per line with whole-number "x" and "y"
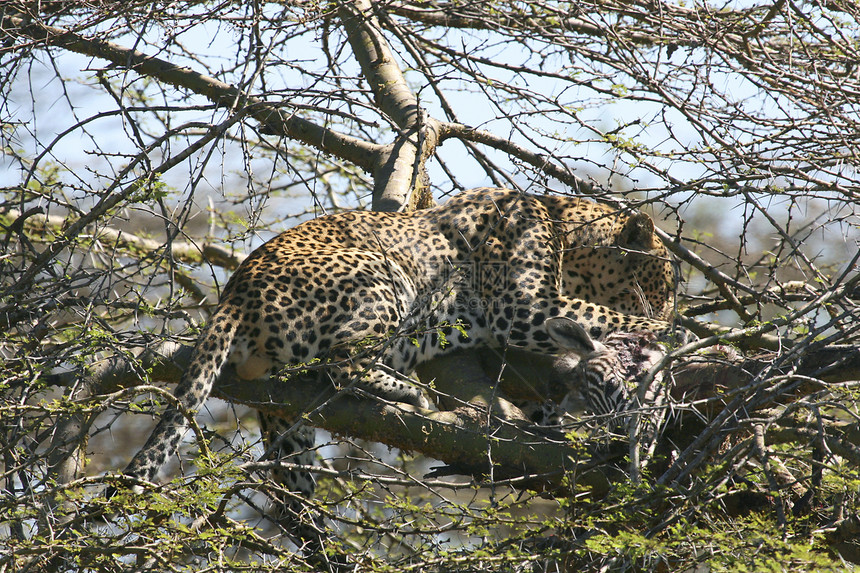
{"x": 638, "y": 233}
{"x": 571, "y": 336}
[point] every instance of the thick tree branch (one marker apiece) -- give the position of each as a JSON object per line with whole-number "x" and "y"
{"x": 462, "y": 437}
{"x": 378, "y": 64}
{"x": 399, "y": 171}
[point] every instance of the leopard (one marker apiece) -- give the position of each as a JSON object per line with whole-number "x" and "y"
{"x": 370, "y": 295}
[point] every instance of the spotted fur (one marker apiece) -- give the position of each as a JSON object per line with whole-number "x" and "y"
{"x": 368, "y": 292}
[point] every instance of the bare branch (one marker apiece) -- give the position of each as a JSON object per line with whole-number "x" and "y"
{"x": 278, "y": 121}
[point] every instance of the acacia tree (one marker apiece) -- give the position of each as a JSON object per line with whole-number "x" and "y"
{"x": 148, "y": 146}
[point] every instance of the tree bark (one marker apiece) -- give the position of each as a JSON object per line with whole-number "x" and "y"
{"x": 468, "y": 438}
{"x": 399, "y": 174}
